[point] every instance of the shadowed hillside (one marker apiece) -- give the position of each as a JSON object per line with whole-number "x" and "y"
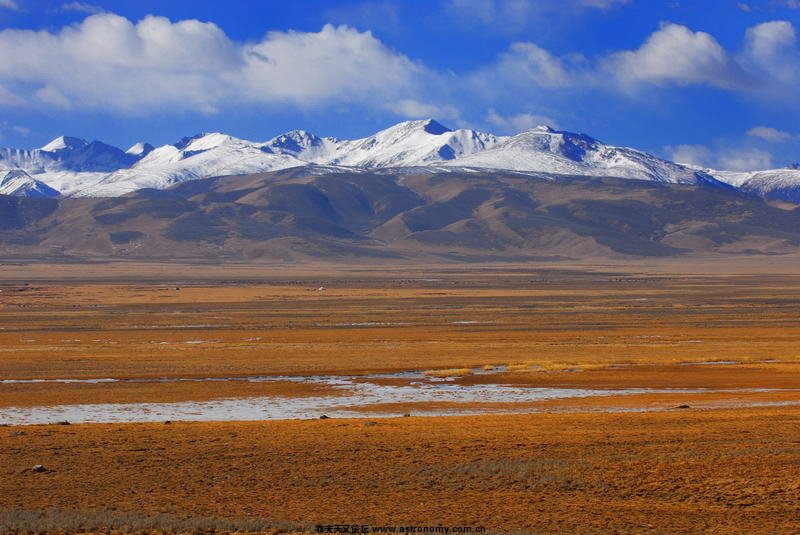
{"x": 287, "y": 215}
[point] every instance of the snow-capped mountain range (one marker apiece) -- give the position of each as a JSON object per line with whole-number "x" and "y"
{"x": 73, "y": 167}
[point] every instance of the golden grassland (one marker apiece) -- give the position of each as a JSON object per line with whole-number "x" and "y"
{"x": 698, "y": 471}
{"x": 220, "y": 328}
{"x": 719, "y": 466}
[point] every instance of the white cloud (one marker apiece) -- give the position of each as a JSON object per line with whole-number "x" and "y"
{"x": 525, "y": 64}
{"x": 767, "y": 42}
{"x": 108, "y": 62}
{"x": 7, "y": 98}
{"x": 9, "y": 4}
{"x": 770, "y": 50}
{"x": 51, "y": 95}
{"x": 675, "y": 55}
{"x": 731, "y": 159}
{"x": 370, "y": 14}
{"x": 745, "y": 160}
{"x": 21, "y": 130}
{"x": 744, "y": 6}
{"x": 415, "y": 109}
{"x": 82, "y": 7}
{"x": 514, "y": 16}
{"x": 336, "y": 63}
{"x": 514, "y": 124}
{"x": 769, "y": 134}
{"x": 691, "y": 154}
{"x": 603, "y": 4}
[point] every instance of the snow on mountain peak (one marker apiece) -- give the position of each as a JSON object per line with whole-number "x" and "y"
{"x": 427, "y": 126}
{"x": 78, "y": 168}
{"x": 293, "y": 142}
{"x": 205, "y": 141}
{"x": 140, "y": 149}
{"x": 434, "y": 127}
{"x": 65, "y": 142}
{"x": 20, "y": 184}
{"x": 13, "y": 174}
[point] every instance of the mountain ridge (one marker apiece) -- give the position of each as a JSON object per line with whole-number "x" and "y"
{"x": 78, "y": 168}
{"x": 455, "y": 215}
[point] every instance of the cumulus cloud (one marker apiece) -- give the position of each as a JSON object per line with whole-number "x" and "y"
{"x": 340, "y": 62}
{"x": 675, "y": 55}
{"x": 109, "y": 62}
{"x": 769, "y": 134}
{"x": 513, "y": 124}
{"x": 372, "y": 14}
{"x": 770, "y": 51}
{"x": 526, "y": 64}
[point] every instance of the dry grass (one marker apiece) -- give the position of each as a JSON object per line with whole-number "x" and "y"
{"x": 563, "y": 473}
{"x": 58, "y": 521}
{"x": 730, "y": 471}
{"x": 209, "y": 329}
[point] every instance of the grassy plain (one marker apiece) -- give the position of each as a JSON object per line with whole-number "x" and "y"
{"x": 719, "y": 466}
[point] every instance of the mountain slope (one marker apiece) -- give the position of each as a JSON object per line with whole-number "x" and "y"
{"x": 201, "y": 156}
{"x": 546, "y": 150}
{"x": 779, "y": 184}
{"x": 20, "y": 184}
{"x": 291, "y": 215}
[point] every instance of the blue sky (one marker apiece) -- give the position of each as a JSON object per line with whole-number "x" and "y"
{"x": 712, "y": 82}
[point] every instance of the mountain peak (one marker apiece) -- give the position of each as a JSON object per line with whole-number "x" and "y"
{"x": 140, "y": 149}
{"x": 434, "y": 127}
{"x": 294, "y": 142}
{"x": 65, "y": 142}
{"x": 543, "y": 128}
{"x": 20, "y": 184}
{"x": 429, "y": 126}
{"x": 203, "y": 141}
{"x": 14, "y": 173}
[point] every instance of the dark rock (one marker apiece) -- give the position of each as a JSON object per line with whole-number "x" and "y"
{"x": 324, "y": 417}
{"x": 406, "y": 415}
{"x": 683, "y": 407}
{"x": 38, "y": 468}
{"x": 63, "y": 423}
